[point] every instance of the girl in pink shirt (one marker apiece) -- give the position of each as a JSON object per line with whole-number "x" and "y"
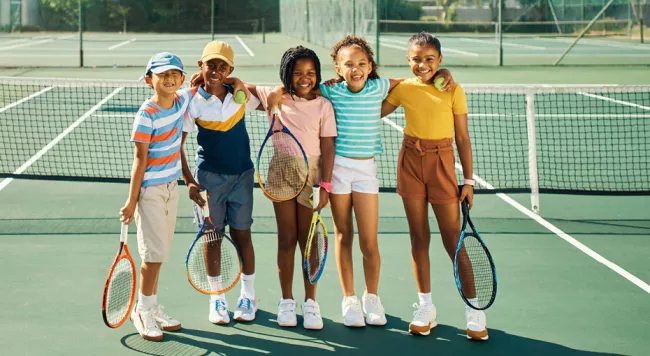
{"x": 311, "y": 120}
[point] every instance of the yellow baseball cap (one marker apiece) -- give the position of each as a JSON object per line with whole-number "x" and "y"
{"x": 220, "y": 50}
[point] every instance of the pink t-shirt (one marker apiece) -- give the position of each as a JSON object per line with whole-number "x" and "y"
{"x": 308, "y": 120}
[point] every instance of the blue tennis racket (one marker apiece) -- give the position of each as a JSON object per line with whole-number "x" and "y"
{"x": 474, "y": 271}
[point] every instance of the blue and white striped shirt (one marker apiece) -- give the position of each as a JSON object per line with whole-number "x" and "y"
{"x": 358, "y": 117}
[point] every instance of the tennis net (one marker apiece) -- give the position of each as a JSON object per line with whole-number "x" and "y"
{"x": 525, "y": 138}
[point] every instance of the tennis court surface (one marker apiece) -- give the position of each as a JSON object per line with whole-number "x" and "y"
{"x": 572, "y": 279}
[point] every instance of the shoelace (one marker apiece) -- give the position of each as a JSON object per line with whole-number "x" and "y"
{"x": 148, "y": 320}
{"x": 374, "y": 303}
{"x": 474, "y": 317}
{"x": 420, "y": 310}
{"x": 353, "y": 304}
{"x": 161, "y": 313}
{"x": 220, "y": 305}
{"x": 244, "y": 303}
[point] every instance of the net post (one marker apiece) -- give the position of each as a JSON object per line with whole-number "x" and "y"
{"x": 500, "y": 31}
{"x": 307, "y": 20}
{"x": 641, "y": 20}
{"x": 81, "y": 36}
{"x": 263, "y": 30}
{"x": 212, "y": 19}
{"x": 354, "y": 17}
{"x": 377, "y": 28}
{"x": 593, "y": 21}
{"x": 532, "y": 150}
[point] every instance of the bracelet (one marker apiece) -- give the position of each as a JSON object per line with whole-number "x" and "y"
{"x": 327, "y": 186}
{"x": 469, "y": 182}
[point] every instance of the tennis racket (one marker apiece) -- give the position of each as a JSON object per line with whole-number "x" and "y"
{"x": 213, "y": 264}
{"x": 316, "y": 249}
{"x": 474, "y": 271}
{"x": 282, "y": 167}
{"x": 119, "y": 288}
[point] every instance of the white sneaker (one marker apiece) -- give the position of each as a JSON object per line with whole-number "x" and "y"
{"x": 287, "y": 313}
{"x": 375, "y": 314}
{"x": 219, "y": 312}
{"x": 424, "y": 319}
{"x": 476, "y": 324}
{"x": 352, "y": 314}
{"x": 145, "y": 323}
{"x": 311, "y": 318}
{"x": 164, "y": 321}
{"x": 246, "y": 309}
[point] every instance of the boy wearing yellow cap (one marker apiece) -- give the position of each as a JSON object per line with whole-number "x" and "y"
{"x": 224, "y": 169}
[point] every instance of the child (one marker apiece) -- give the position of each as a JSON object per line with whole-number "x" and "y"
{"x": 357, "y": 103}
{"x": 224, "y": 169}
{"x": 311, "y": 119}
{"x": 426, "y": 171}
{"x": 153, "y": 194}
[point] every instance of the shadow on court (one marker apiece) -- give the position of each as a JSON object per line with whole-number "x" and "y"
{"x": 266, "y": 337}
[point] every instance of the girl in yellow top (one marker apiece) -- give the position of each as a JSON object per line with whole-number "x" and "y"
{"x": 425, "y": 170}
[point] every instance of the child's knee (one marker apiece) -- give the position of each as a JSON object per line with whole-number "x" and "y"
{"x": 287, "y": 243}
{"x": 369, "y": 249}
{"x": 420, "y": 240}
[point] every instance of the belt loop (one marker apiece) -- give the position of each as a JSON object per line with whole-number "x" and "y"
{"x": 418, "y": 146}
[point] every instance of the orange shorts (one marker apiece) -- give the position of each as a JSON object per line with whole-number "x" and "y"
{"x": 425, "y": 170}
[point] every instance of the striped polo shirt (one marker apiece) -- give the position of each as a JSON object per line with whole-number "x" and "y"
{"x": 224, "y": 144}
{"x": 357, "y": 117}
{"x": 162, "y": 130}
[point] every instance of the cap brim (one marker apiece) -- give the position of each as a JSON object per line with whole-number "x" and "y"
{"x": 217, "y": 56}
{"x": 163, "y": 69}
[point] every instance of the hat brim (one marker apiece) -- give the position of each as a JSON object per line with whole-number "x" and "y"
{"x": 217, "y": 56}
{"x": 163, "y": 69}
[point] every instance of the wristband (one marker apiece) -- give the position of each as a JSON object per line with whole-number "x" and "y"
{"x": 469, "y": 182}
{"x": 327, "y": 186}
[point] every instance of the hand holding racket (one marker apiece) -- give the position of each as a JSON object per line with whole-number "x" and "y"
{"x": 282, "y": 168}
{"x": 474, "y": 271}
{"x": 213, "y": 264}
{"x": 316, "y": 248}
{"x": 119, "y": 288}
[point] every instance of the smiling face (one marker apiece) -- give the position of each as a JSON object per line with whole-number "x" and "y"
{"x": 214, "y": 71}
{"x": 424, "y": 61}
{"x": 354, "y": 66}
{"x": 165, "y": 83}
{"x": 304, "y": 78}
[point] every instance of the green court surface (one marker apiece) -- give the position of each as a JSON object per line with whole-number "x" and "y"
{"x": 572, "y": 280}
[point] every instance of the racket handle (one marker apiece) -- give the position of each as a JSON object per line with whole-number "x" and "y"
{"x": 124, "y": 232}
{"x": 204, "y": 209}
{"x": 464, "y": 207}
{"x": 275, "y": 111}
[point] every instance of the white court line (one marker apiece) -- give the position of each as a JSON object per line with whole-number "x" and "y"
{"x": 596, "y": 43}
{"x": 566, "y": 237}
{"x": 626, "y": 103}
{"x": 16, "y": 103}
{"x": 446, "y": 49}
{"x": 583, "y": 116}
{"x": 504, "y": 43}
{"x": 60, "y": 137}
{"x": 245, "y": 46}
{"x": 121, "y": 44}
{"x": 26, "y": 44}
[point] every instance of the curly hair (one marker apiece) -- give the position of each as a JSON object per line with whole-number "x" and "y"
{"x": 425, "y": 39}
{"x": 352, "y": 41}
{"x": 289, "y": 59}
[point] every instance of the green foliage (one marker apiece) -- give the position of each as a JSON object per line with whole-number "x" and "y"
{"x": 399, "y": 10}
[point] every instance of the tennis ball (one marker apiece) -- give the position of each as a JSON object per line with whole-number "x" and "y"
{"x": 438, "y": 83}
{"x": 240, "y": 97}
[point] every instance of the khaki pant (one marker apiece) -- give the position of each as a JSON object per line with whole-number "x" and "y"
{"x": 155, "y": 217}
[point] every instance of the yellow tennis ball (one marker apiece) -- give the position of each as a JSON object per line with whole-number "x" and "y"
{"x": 240, "y": 97}
{"x": 438, "y": 83}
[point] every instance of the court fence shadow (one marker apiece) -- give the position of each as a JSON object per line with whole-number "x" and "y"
{"x": 265, "y": 336}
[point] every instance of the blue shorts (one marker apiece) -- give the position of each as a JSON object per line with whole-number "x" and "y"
{"x": 230, "y": 198}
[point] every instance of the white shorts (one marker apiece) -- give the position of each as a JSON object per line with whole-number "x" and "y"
{"x": 155, "y": 217}
{"x": 359, "y": 175}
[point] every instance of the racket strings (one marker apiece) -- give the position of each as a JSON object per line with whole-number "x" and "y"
{"x": 475, "y": 272}
{"x": 213, "y": 264}
{"x": 120, "y": 290}
{"x": 282, "y": 167}
{"x": 316, "y": 252}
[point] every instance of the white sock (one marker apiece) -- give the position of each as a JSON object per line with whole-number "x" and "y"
{"x": 247, "y": 285}
{"x": 146, "y": 302}
{"x": 425, "y": 299}
{"x": 472, "y": 301}
{"x": 216, "y": 284}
